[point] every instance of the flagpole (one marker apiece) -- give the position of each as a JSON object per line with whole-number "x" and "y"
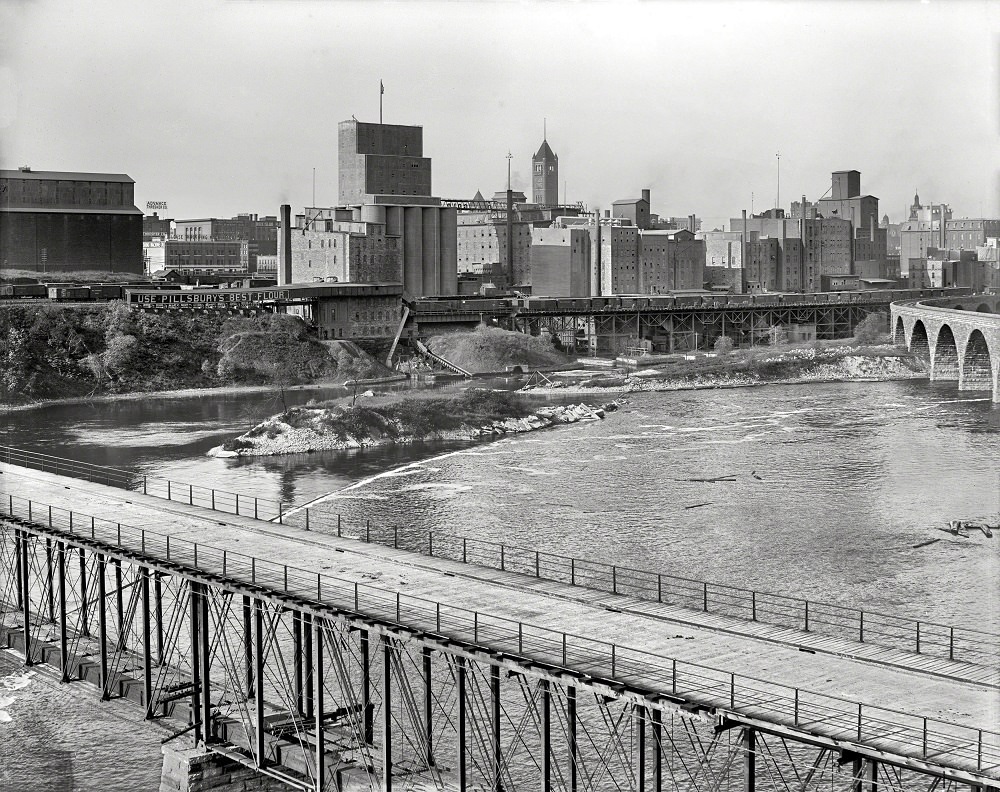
{"x": 381, "y": 90}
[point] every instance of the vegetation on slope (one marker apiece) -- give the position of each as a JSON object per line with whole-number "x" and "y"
{"x": 487, "y": 349}
{"x": 54, "y": 351}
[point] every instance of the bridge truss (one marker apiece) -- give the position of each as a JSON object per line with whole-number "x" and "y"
{"x": 321, "y": 684}
{"x": 688, "y": 329}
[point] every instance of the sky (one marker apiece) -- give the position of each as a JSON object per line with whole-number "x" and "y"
{"x": 223, "y": 107}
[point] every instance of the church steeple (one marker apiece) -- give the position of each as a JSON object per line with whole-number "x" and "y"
{"x": 545, "y": 174}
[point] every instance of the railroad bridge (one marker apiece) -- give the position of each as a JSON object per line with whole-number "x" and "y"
{"x": 959, "y": 336}
{"x": 283, "y": 650}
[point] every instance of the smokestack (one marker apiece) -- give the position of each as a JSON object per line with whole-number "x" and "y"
{"x": 285, "y": 246}
{"x": 743, "y": 244}
{"x": 645, "y": 195}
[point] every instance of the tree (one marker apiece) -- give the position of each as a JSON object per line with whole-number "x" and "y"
{"x": 872, "y": 329}
{"x": 723, "y": 346}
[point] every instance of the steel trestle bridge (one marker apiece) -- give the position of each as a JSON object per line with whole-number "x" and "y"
{"x": 323, "y": 662}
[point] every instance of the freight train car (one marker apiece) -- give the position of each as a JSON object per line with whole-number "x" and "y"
{"x": 23, "y": 291}
{"x": 70, "y": 293}
{"x": 107, "y": 291}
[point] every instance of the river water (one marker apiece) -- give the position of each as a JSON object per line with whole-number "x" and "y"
{"x": 834, "y": 486}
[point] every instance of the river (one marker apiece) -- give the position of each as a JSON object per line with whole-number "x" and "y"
{"x": 835, "y": 485}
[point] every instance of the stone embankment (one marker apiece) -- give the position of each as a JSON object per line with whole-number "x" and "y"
{"x": 324, "y": 433}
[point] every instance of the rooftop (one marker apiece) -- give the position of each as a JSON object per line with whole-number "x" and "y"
{"x": 65, "y": 176}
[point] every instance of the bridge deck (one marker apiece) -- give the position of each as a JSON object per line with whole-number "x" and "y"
{"x": 895, "y": 679}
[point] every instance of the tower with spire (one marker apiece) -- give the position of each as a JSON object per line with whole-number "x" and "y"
{"x": 545, "y": 175}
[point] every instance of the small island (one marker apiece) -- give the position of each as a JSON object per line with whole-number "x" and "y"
{"x": 475, "y": 413}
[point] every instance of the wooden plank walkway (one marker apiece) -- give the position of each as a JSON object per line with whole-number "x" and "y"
{"x": 876, "y": 676}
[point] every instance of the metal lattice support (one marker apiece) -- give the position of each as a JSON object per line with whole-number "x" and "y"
{"x": 309, "y": 694}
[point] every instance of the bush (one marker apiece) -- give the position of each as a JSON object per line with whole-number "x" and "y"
{"x": 873, "y": 329}
{"x": 723, "y": 345}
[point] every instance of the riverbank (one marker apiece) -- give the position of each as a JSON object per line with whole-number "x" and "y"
{"x": 54, "y": 352}
{"x": 877, "y": 363}
{"x": 470, "y": 415}
{"x": 178, "y": 393}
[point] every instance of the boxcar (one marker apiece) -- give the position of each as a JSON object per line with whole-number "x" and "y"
{"x": 23, "y": 291}
{"x": 69, "y": 293}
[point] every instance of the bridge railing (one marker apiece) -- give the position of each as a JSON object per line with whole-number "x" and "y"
{"x": 881, "y": 629}
{"x": 161, "y": 487}
{"x": 945, "y": 743}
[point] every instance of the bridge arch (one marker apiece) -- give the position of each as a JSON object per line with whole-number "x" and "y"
{"x": 899, "y": 332}
{"x": 944, "y": 361}
{"x": 977, "y": 364}
{"x": 983, "y": 308}
{"x": 919, "y": 342}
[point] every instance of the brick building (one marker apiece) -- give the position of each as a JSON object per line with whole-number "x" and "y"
{"x": 847, "y": 203}
{"x": 260, "y": 233}
{"x": 617, "y": 258}
{"x": 808, "y": 248}
{"x": 327, "y": 246}
{"x": 482, "y": 246}
{"x": 206, "y": 257}
{"x": 967, "y": 233}
{"x": 154, "y": 226}
{"x": 634, "y": 210}
{"x": 670, "y": 261}
{"x": 55, "y": 221}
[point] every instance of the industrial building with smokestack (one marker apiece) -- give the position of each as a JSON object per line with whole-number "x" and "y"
{"x": 387, "y": 228}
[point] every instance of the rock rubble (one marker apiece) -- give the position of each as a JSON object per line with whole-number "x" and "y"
{"x": 274, "y": 436}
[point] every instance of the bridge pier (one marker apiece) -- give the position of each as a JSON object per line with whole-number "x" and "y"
{"x": 200, "y": 770}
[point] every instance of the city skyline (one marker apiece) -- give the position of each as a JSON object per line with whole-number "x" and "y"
{"x": 691, "y": 101}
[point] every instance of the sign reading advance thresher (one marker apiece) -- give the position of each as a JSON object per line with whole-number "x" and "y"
{"x": 204, "y": 299}
{"x": 156, "y": 206}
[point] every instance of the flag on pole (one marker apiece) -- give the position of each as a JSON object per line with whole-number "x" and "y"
{"x": 381, "y": 88}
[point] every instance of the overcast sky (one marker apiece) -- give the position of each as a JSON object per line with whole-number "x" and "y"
{"x": 219, "y": 108}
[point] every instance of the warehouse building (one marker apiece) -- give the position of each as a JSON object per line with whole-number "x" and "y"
{"x": 52, "y": 221}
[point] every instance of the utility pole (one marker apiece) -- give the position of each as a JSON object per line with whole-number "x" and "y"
{"x": 314, "y": 188}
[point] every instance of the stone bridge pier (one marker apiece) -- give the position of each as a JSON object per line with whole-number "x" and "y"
{"x": 959, "y": 336}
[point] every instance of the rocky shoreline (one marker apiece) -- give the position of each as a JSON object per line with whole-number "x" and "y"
{"x": 275, "y": 436}
{"x": 803, "y": 366}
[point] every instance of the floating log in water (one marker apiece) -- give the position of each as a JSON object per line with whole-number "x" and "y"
{"x": 924, "y": 544}
{"x": 697, "y": 505}
{"x": 729, "y": 478}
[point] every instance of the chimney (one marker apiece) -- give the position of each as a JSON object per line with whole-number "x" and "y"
{"x": 285, "y": 246}
{"x": 645, "y": 195}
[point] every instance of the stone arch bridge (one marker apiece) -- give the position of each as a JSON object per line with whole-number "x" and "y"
{"x": 960, "y": 336}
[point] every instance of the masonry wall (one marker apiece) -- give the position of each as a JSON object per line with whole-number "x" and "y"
{"x": 482, "y": 249}
{"x": 354, "y": 317}
{"x": 619, "y": 260}
{"x": 347, "y": 256}
{"x": 64, "y": 241}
